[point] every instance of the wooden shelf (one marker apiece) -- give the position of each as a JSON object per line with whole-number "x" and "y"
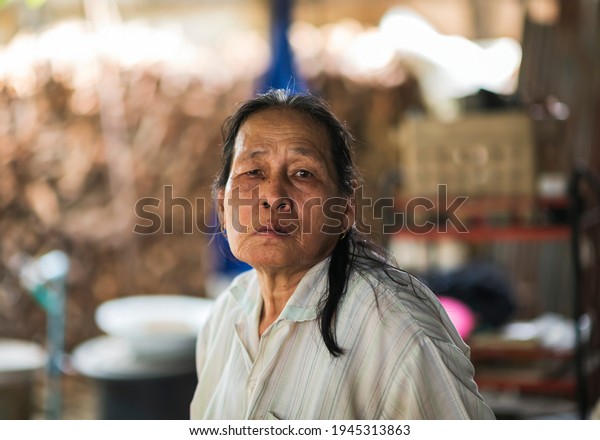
{"x": 521, "y": 373}
{"x": 517, "y": 353}
{"x": 563, "y": 386}
{"x": 482, "y": 234}
{"x": 522, "y": 367}
{"x": 553, "y": 202}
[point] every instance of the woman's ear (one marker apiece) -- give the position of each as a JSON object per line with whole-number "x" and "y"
{"x": 350, "y": 215}
{"x": 350, "y": 211}
{"x": 221, "y": 206}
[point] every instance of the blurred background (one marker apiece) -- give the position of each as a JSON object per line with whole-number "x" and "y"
{"x": 104, "y": 103}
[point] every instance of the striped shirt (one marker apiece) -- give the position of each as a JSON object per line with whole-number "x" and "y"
{"x": 403, "y": 358}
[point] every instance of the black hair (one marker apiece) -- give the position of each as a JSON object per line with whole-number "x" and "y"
{"x": 354, "y": 251}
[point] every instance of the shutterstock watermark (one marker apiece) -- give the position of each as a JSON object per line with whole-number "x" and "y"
{"x": 418, "y": 215}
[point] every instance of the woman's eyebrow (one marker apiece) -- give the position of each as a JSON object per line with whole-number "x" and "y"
{"x": 309, "y": 152}
{"x": 251, "y": 153}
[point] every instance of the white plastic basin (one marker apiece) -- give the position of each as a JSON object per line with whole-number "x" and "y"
{"x": 156, "y": 326}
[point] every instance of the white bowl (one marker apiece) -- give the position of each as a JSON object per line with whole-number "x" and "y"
{"x": 19, "y": 359}
{"x": 156, "y": 326}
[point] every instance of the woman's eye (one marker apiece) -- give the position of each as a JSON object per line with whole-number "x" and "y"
{"x": 256, "y": 172}
{"x": 303, "y": 173}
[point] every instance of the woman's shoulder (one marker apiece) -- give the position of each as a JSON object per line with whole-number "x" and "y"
{"x": 392, "y": 289}
{"x": 402, "y": 301}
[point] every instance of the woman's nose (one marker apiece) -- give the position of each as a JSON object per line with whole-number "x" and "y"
{"x": 274, "y": 195}
{"x": 282, "y": 204}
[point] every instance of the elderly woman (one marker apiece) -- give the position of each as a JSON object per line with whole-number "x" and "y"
{"x": 324, "y": 326}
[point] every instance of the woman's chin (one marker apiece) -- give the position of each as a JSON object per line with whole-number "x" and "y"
{"x": 278, "y": 254}
{"x": 271, "y": 260}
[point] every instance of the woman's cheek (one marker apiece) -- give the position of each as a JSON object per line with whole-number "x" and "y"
{"x": 240, "y": 218}
{"x": 334, "y": 216}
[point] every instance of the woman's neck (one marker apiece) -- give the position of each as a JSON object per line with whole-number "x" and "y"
{"x": 276, "y": 288}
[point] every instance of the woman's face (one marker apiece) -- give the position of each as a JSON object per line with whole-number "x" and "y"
{"x": 281, "y": 206}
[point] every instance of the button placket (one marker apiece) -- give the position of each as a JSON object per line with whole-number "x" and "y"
{"x": 269, "y": 349}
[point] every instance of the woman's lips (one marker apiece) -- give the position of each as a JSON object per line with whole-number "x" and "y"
{"x": 274, "y": 229}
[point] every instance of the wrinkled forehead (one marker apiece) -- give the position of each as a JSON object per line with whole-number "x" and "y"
{"x": 284, "y": 127}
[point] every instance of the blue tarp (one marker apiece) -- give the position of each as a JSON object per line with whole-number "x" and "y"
{"x": 280, "y": 75}
{"x": 282, "y": 72}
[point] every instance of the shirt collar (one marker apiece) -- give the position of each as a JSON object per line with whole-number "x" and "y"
{"x": 245, "y": 290}
{"x": 303, "y": 304}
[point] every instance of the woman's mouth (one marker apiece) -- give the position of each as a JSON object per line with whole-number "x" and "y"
{"x": 276, "y": 229}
